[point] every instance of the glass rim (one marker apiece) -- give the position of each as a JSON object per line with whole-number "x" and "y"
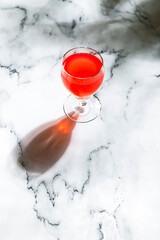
{"x": 83, "y": 77}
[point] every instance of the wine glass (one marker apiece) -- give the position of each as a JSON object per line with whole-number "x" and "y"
{"x": 82, "y": 74}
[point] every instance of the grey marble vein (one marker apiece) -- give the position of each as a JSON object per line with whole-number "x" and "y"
{"x": 105, "y": 186}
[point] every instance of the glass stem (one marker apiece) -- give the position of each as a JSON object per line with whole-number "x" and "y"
{"x": 83, "y": 105}
{"x": 83, "y": 102}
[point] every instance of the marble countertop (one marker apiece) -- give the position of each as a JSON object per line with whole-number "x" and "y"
{"x": 100, "y": 180}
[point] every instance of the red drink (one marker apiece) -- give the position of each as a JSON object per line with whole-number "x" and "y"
{"x": 82, "y": 74}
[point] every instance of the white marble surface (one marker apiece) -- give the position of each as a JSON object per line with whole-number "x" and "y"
{"x": 106, "y": 184}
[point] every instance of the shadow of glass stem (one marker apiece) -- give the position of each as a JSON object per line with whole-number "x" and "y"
{"x": 43, "y": 147}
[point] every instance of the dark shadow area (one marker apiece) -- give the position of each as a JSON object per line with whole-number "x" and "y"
{"x": 136, "y": 29}
{"x": 44, "y": 146}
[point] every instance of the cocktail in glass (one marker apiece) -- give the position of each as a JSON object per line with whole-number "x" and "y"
{"x": 82, "y": 73}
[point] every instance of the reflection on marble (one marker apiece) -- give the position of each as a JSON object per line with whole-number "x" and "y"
{"x": 105, "y": 183}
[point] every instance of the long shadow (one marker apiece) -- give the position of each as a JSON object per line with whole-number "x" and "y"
{"x": 44, "y": 146}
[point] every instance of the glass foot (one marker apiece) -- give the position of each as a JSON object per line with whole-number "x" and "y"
{"x": 82, "y": 110}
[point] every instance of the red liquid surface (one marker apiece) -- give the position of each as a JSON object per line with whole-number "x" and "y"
{"x": 82, "y": 74}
